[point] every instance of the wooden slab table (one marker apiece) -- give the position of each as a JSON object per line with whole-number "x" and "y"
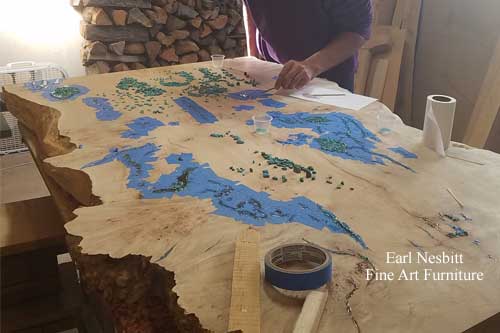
{"x": 157, "y": 171}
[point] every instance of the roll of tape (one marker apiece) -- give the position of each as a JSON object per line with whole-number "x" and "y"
{"x": 280, "y": 270}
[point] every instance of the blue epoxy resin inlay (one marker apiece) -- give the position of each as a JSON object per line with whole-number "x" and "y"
{"x": 403, "y": 152}
{"x": 105, "y": 110}
{"x": 47, "y": 88}
{"x": 199, "y": 113}
{"x": 340, "y": 135}
{"x": 230, "y": 199}
{"x": 243, "y": 108}
{"x": 269, "y": 102}
{"x": 248, "y": 95}
{"x": 141, "y": 127}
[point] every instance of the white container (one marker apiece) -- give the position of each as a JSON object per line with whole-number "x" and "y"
{"x": 438, "y": 124}
{"x": 218, "y": 60}
{"x": 262, "y": 123}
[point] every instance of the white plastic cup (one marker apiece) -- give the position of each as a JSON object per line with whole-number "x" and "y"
{"x": 218, "y": 60}
{"x": 386, "y": 121}
{"x": 262, "y": 123}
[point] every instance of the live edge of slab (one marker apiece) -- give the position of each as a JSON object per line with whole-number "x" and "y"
{"x": 158, "y": 207}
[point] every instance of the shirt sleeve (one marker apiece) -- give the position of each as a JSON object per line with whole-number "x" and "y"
{"x": 350, "y": 16}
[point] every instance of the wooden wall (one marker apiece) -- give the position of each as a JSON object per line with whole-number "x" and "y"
{"x": 455, "y": 44}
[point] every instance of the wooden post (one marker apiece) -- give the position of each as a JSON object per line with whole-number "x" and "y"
{"x": 487, "y": 105}
{"x": 407, "y": 17}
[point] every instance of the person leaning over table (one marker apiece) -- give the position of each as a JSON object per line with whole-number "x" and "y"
{"x": 310, "y": 37}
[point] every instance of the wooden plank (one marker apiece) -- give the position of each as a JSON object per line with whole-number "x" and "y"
{"x": 29, "y": 225}
{"x": 378, "y": 78}
{"x": 395, "y": 58}
{"x": 114, "y": 33}
{"x": 312, "y": 311}
{"x": 487, "y": 105}
{"x": 118, "y": 3}
{"x": 411, "y": 24}
{"x": 244, "y": 313}
{"x": 493, "y": 142}
{"x": 400, "y": 13}
{"x": 383, "y": 11}
{"x": 21, "y": 179}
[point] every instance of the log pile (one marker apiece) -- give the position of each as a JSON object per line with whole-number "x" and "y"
{"x": 134, "y": 34}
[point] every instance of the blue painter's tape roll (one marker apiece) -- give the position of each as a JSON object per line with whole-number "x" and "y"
{"x": 282, "y": 271}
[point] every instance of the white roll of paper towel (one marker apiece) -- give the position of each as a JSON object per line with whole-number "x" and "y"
{"x": 438, "y": 123}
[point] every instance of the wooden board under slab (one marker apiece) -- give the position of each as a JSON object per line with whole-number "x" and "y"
{"x": 159, "y": 211}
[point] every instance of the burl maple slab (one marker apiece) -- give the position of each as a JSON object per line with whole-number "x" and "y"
{"x": 158, "y": 171}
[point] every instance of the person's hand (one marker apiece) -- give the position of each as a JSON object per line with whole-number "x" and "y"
{"x": 294, "y": 75}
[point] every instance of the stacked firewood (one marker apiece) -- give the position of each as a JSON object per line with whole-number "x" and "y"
{"x": 133, "y": 34}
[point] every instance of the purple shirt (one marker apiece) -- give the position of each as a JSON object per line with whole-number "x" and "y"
{"x": 296, "y": 29}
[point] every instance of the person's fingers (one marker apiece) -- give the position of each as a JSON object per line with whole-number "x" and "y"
{"x": 290, "y": 79}
{"x": 279, "y": 82}
{"x": 301, "y": 81}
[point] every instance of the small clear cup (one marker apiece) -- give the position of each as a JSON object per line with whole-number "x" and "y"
{"x": 262, "y": 123}
{"x": 386, "y": 122}
{"x": 218, "y": 60}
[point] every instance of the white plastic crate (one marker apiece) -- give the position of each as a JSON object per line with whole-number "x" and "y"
{"x": 20, "y": 73}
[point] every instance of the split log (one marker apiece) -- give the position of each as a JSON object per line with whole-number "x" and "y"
{"x": 135, "y": 48}
{"x": 171, "y": 6}
{"x": 116, "y": 58}
{"x": 221, "y": 36}
{"x": 161, "y": 14}
{"x": 118, "y": 3}
{"x": 154, "y": 64}
{"x": 229, "y": 44}
{"x": 160, "y": 3}
{"x": 95, "y": 15}
{"x": 203, "y": 55}
{"x": 121, "y": 67}
{"x": 164, "y": 39}
{"x": 175, "y": 23}
{"x": 196, "y": 22}
{"x": 98, "y": 67}
{"x": 190, "y": 3}
{"x": 155, "y": 30}
{"x": 186, "y": 12}
{"x": 185, "y": 46}
{"x": 135, "y": 15}
{"x": 117, "y": 47}
{"x": 214, "y": 49}
{"x": 210, "y": 14}
{"x": 95, "y": 48}
{"x": 158, "y": 15}
{"x": 180, "y": 34}
{"x": 209, "y": 40}
{"x": 113, "y": 33}
{"x": 234, "y": 17}
{"x": 205, "y": 30}
{"x": 189, "y": 58}
{"x": 218, "y": 23}
{"x": 137, "y": 65}
{"x": 119, "y": 16}
{"x": 169, "y": 54}
{"x": 152, "y": 50}
{"x": 208, "y": 4}
{"x": 195, "y": 36}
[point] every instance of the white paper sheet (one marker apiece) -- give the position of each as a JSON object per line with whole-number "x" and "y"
{"x": 321, "y": 87}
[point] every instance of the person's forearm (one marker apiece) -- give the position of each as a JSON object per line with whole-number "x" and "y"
{"x": 251, "y": 32}
{"x": 335, "y": 53}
